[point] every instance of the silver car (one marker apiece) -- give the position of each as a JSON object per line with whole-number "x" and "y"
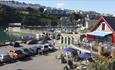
{"x": 5, "y": 57}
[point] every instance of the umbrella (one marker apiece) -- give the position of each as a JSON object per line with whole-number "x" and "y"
{"x": 84, "y": 55}
{"x": 69, "y": 49}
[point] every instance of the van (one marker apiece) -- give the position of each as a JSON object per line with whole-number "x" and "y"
{"x": 43, "y": 47}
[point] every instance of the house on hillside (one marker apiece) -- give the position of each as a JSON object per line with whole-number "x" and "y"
{"x": 89, "y": 23}
{"x": 104, "y": 30}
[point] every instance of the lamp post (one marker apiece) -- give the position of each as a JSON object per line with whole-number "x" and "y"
{"x": 91, "y": 50}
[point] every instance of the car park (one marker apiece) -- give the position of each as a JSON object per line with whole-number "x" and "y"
{"x": 23, "y": 53}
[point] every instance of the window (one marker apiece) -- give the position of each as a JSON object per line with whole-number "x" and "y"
{"x": 103, "y": 26}
{"x": 68, "y": 40}
{"x": 65, "y": 40}
{"x": 61, "y": 40}
{"x": 72, "y": 40}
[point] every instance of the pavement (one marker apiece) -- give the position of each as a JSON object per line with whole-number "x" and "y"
{"x": 38, "y": 62}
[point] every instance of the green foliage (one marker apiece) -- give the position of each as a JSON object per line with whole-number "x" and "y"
{"x": 106, "y": 64}
{"x": 75, "y": 16}
{"x": 28, "y": 16}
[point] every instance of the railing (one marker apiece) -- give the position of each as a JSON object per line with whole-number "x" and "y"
{"x": 85, "y": 45}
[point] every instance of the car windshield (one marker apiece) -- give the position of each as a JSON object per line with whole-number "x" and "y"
{"x": 18, "y": 51}
{"x": 40, "y": 46}
{"x": 25, "y": 49}
{"x": 46, "y": 46}
{"x": 50, "y": 45}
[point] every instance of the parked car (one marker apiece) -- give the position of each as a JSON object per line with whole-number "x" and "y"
{"x": 4, "y": 57}
{"x": 35, "y": 50}
{"x": 33, "y": 41}
{"x": 43, "y": 47}
{"x": 16, "y": 54}
{"x": 27, "y": 52}
{"x": 50, "y": 47}
{"x": 17, "y": 44}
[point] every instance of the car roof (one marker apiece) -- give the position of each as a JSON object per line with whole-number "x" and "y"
{"x": 37, "y": 45}
{"x": 3, "y": 53}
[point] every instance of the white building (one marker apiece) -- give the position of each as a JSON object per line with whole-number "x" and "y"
{"x": 14, "y": 27}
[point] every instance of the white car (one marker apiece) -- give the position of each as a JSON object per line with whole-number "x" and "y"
{"x": 42, "y": 46}
{"x": 50, "y": 46}
{"x": 45, "y": 47}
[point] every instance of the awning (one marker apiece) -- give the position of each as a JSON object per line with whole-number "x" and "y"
{"x": 99, "y": 33}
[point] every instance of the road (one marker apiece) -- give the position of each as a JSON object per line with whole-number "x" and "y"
{"x": 38, "y": 62}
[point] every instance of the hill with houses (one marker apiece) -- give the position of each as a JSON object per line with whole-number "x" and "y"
{"x": 36, "y": 14}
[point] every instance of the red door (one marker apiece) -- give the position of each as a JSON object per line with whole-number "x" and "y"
{"x": 113, "y": 38}
{"x": 90, "y": 37}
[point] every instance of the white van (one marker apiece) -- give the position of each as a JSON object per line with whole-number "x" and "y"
{"x": 45, "y": 47}
{"x": 42, "y": 46}
{"x": 50, "y": 46}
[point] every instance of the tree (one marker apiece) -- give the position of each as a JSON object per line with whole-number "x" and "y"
{"x": 28, "y": 16}
{"x": 75, "y": 16}
{"x": 41, "y": 10}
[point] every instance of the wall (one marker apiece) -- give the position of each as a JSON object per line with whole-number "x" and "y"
{"x": 107, "y": 29}
{"x": 14, "y": 29}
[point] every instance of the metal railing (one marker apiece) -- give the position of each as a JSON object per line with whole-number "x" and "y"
{"x": 85, "y": 45}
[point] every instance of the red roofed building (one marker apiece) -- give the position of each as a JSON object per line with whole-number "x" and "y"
{"x": 104, "y": 30}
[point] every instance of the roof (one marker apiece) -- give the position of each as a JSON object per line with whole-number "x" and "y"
{"x": 15, "y": 24}
{"x": 99, "y": 33}
{"x": 111, "y": 21}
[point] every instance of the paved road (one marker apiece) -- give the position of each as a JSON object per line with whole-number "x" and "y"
{"x": 43, "y": 62}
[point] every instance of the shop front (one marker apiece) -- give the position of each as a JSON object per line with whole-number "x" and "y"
{"x": 100, "y": 36}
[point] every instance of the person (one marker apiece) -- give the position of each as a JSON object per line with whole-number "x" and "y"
{"x": 63, "y": 59}
{"x": 70, "y": 64}
{"x": 65, "y": 68}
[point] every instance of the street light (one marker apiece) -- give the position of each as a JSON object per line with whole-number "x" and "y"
{"x": 91, "y": 50}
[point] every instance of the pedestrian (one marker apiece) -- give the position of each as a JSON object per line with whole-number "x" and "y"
{"x": 70, "y": 64}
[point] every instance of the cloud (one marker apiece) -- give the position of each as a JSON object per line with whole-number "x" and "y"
{"x": 60, "y": 5}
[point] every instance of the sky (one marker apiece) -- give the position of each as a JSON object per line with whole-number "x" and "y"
{"x": 101, "y": 6}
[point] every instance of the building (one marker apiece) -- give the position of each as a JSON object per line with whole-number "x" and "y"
{"x": 66, "y": 40}
{"x": 88, "y": 22}
{"x": 103, "y": 31}
{"x": 14, "y": 27}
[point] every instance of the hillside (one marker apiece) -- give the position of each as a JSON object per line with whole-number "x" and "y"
{"x": 27, "y": 16}
{"x": 38, "y": 15}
